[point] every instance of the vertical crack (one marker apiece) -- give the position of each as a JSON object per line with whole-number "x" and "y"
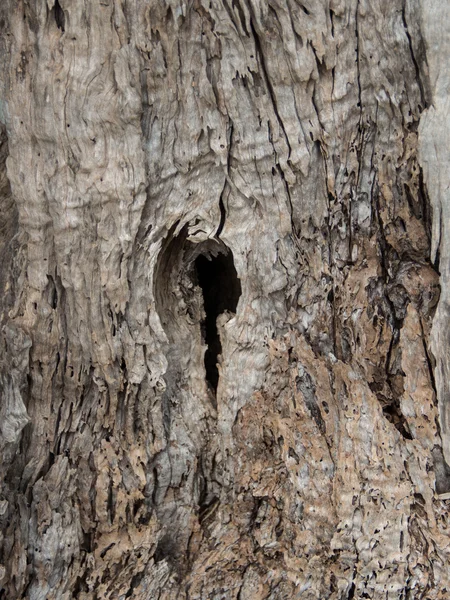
{"x": 267, "y": 78}
{"x": 358, "y": 71}
{"x": 223, "y": 212}
{"x": 414, "y": 60}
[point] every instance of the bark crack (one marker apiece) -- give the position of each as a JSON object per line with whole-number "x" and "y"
{"x": 414, "y": 60}
{"x": 267, "y": 79}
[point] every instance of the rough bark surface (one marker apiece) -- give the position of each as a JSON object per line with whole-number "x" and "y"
{"x": 231, "y": 182}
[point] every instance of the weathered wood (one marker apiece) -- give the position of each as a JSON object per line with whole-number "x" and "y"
{"x": 280, "y": 141}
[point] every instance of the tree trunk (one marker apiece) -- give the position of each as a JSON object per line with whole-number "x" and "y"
{"x": 222, "y": 372}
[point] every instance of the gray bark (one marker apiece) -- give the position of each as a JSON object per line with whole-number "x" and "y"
{"x": 224, "y": 360}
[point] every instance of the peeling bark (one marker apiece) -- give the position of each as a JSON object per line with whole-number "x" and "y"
{"x": 224, "y": 353}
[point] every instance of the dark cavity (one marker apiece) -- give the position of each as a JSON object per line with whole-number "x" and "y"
{"x": 221, "y": 289}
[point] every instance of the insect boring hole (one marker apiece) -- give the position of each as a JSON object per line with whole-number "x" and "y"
{"x": 221, "y": 288}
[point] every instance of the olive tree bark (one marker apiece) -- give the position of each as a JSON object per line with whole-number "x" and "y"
{"x": 224, "y": 361}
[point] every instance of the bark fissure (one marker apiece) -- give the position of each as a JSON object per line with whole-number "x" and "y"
{"x": 267, "y": 79}
{"x": 424, "y": 103}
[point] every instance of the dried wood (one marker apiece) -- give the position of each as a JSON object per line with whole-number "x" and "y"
{"x": 224, "y": 299}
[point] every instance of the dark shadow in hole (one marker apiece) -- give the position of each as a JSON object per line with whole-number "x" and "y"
{"x": 60, "y": 17}
{"x": 221, "y": 291}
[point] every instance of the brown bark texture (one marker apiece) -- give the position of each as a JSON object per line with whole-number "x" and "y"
{"x": 223, "y": 331}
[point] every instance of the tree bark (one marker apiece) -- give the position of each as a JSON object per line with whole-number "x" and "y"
{"x": 224, "y": 361}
